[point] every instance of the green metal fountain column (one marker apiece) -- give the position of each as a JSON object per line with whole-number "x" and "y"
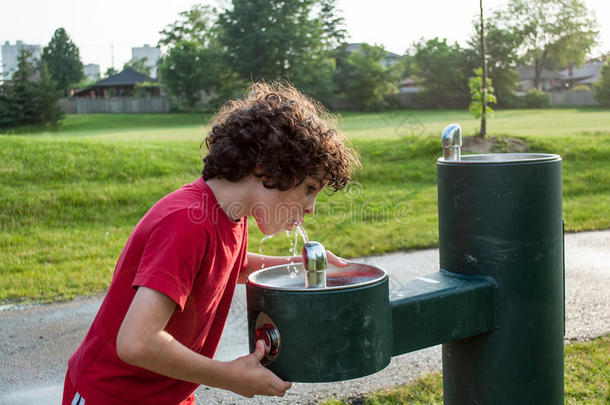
{"x": 503, "y": 219}
{"x": 496, "y": 305}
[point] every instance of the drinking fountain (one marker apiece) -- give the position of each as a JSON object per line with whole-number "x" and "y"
{"x": 496, "y": 304}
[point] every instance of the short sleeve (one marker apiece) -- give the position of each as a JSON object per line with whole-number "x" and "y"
{"x": 172, "y": 257}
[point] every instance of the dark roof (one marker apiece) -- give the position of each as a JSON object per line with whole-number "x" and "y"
{"x": 126, "y": 77}
{"x": 588, "y": 73}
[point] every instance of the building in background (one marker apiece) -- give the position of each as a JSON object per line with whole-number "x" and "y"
{"x": 151, "y": 54}
{"x": 408, "y": 85}
{"x": 389, "y": 59}
{"x": 92, "y": 72}
{"x": 123, "y": 84}
{"x": 567, "y": 78}
{"x": 127, "y": 92}
{"x": 10, "y": 54}
{"x": 548, "y": 80}
{"x": 586, "y": 74}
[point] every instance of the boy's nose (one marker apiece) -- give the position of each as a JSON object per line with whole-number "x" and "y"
{"x": 309, "y": 208}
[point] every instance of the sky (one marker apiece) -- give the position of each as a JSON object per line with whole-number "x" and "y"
{"x": 105, "y": 31}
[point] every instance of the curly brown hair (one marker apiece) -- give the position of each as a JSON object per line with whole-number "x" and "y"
{"x": 278, "y": 134}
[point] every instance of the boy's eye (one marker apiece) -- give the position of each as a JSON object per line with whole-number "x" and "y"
{"x": 311, "y": 189}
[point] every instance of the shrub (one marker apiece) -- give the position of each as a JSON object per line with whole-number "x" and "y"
{"x": 581, "y": 87}
{"x": 476, "y": 93}
{"x": 28, "y": 100}
{"x": 602, "y": 87}
{"x": 537, "y": 99}
{"x": 512, "y": 100}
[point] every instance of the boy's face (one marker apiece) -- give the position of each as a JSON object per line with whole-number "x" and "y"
{"x": 277, "y": 210}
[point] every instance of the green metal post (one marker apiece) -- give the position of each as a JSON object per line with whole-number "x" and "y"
{"x": 504, "y": 220}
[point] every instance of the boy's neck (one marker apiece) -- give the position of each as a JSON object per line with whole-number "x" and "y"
{"x": 233, "y": 197}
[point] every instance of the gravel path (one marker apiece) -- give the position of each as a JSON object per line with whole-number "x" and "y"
{"x": 36, "y": 342}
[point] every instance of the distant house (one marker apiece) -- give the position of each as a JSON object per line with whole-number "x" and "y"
{"x": 390, "y": 59}
{"x": 567, "y": 78}
{"x": 409, "y": 85}
{"x": 122, "y": 84}
{"x": 548, "y": 80}
{"x": 586, "y": 75}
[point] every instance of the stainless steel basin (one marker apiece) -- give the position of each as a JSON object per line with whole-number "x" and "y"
{"x": 492, "y": 158}
{"x": 291, "y": 277}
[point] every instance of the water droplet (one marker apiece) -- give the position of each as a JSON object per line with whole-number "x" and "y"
{"x": 260, "y": 248}
{"x": 260, "y": 245}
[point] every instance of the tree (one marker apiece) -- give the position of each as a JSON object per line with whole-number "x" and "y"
{"x": 30, "y": 98}
{"x": 443, "y": 70}
{"x": 364, "y": 80}
{"x": 483, "y": 82}
{"x": 195, "y": 64}
{"x": 501, "y": 48}
{"x": 183, "y": 72}
{"x": 22, "y": 92}
{"x": 481, "y": 96}
{"x": 553, "y": 33}
{"x": 197, "y": 25}
{"x": 63, "y": 60}
{"x": 189, "y": 70}
{"x": 276, "y": 39}
{"x": 139, "y": 65}
{"x": 111, "y": 71}
{"x": 602, "y": 87}
{"x": 46, "y": 100}
{"x": 333, "y": 32}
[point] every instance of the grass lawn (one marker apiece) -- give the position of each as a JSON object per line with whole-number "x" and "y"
{"x": 69, "y": 199}
{"x": 587, "y": 381}
{"x": 518, "y": 123}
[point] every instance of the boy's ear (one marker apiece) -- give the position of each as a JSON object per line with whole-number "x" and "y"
{"x": 258, "y": 170}
{"x": 258, "y": 173}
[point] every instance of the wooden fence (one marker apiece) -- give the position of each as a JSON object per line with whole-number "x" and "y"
{"x": 115, "y": 105}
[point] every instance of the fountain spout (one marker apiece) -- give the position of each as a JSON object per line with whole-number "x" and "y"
{"x": 314, "y": 264}
{"x": 451, "y": 140}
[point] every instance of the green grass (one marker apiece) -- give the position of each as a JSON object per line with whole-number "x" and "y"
{"x": 587, "y": 381}
{"x": 516, "y": 123}
{"x": 69, "y": 199}
{"x": 587, "y": 372}
{"x": 77, "y": 124}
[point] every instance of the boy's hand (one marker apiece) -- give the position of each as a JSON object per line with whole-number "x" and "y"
{"x": 334, "y": 260}
{"x": 251, "y": 378}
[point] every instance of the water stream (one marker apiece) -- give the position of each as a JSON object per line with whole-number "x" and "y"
{"x": 294, "y": 251}
{"x": 298, "y": 230}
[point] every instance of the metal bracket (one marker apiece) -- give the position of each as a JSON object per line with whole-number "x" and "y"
{"x": 440, "y": 308}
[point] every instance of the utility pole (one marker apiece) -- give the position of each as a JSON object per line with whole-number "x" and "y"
{"x": 484, "y": 84}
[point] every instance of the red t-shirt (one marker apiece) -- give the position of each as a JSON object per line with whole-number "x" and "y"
{"x": 187, "y": 248}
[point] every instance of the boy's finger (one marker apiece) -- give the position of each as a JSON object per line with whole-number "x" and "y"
{"x": 279, "y": 384}
{"x": 335, "y": 260}
{"x": 259, "y": 352}
{"x": 280, "y": 390}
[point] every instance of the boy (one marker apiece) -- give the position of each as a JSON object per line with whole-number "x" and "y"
{"x": 153, "y": 339}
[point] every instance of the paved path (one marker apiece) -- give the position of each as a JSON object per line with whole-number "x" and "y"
{"x": 36, "y": 342}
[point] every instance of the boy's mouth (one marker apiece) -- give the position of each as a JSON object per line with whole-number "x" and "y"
{"x": 293, "y": 223}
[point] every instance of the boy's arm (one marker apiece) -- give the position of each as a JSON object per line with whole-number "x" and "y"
{"x": 143, "y": 342}
{"x": 256, "y": 262}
